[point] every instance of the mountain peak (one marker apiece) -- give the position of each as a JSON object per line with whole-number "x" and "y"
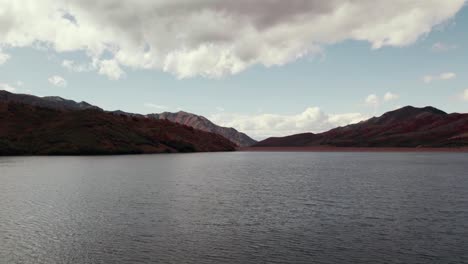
{"x": 418, "y": 110}
{"x": 408, "y": 112}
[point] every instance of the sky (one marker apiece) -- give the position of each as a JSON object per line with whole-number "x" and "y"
{"x": 266, "y": 67}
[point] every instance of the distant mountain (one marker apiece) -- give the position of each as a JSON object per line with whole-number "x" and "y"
{"x": 192, "y": 120}
{"x": 406, "y": 127}
{"x": 31, "y": 125}
{"x": 200, "y": 122}
{"x": 53, "y": 102}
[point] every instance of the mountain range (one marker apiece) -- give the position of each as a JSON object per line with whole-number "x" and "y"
{"x": 31, "y": 125}
{"x": 184, "y": 118}
{"x": 409, "y": 127}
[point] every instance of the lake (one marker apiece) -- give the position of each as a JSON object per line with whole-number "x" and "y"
{"x": 239, "y": 207}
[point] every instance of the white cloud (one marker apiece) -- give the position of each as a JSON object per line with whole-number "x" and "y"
{"x": 447, "y": 76}
{"x": 57, "y": 81}
{"x": 264, "y": 125}
{"x": 155, "y": 106}
{"x": 441, "y": 47}
{"x": 109, "y": 68}
{"x": 4, "y": 57}
{"x": 212, "y": 38}
{"x": 375, "y": 101}
{"x": 442, "y": 76}
{"x": 372, "y": 100}
{"x": 389, "y": 96}
{"x": 428, "y": 78}
{"x": 76, "y": 67}
{"x": 7, "y": 87}
{"x": 464, "y": 95}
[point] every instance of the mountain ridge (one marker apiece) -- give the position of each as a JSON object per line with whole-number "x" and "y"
{"x": 204, "y": 124}
{"x": 404, "y": 127}
{"x": 34, "y": 126}
{"x": 181, "y": 117}
{"x": 408, "y": 126}
{"x": 54, "y": 102}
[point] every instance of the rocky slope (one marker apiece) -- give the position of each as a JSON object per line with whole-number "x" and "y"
{"x": 405, "y": 127}
{"x": 200, "y": 122}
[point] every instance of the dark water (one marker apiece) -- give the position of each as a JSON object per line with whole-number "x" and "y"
{"x": 235, "y": 208}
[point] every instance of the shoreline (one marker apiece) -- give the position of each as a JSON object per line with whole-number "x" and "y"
{"x": 350, "y": 149}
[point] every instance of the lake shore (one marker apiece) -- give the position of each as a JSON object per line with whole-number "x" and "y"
{"x": 349, "y": 149}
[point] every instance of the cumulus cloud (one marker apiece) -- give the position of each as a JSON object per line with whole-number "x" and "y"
{"x": 57, "y": 81}
{"x": 212, "y": 38}
{"x": 7, "y": 87}
{"x": 440, "y": 77}
{"x": 264, "y": 125}
{"x": 4, "y": 57}
{"x": 389, "y": 96}
{"x": 372, "y": 100}
{"x": 109, "y": 68}
{"x": 442, "y": 47}
{"x": 375, "y": 101}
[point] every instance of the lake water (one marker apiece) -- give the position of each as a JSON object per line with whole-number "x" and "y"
{"x": 240, "y": 207}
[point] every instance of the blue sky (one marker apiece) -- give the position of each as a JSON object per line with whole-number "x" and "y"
{"x": 335, "y": 78}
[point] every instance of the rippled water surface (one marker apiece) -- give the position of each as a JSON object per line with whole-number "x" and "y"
{"x": 235, "y": 208}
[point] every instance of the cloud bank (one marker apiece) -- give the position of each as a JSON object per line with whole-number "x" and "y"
{"x": 7, "y": 87}
{"x": 261, "y": 126}
{"x": 212, "y": 38}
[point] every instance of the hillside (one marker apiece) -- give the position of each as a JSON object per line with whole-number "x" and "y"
{"x": 53, "y": 102}
{"x": 184, "y": 118}
{"x": 201, "y": 123}
{"x": 405, "y": 127}
{"x": 34, "y": 129}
